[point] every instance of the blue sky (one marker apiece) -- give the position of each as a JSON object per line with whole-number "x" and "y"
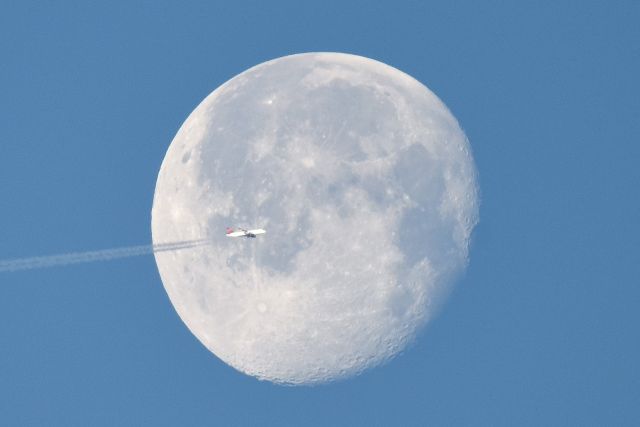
{"x": 542, "y": 330}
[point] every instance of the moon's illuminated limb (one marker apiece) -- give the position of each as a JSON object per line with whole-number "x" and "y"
{"x": 366, "y": 184}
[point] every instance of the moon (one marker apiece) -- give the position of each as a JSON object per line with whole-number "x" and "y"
{"x": 367, "y": 188}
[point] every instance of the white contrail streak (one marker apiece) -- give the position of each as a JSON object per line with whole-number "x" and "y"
{"x": 93, "y": 256}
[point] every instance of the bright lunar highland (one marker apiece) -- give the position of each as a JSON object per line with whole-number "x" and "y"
{"x": 367, "y": 188}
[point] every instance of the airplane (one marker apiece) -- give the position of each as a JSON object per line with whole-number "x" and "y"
{"x": 241, "y": 232}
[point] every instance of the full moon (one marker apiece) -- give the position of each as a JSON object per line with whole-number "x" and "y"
{"x": 366, "y": 186}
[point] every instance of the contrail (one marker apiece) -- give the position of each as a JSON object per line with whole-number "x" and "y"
{"x": 93, "y": 256}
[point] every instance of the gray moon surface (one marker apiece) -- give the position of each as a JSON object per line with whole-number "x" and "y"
{"x": 367, "y": 188}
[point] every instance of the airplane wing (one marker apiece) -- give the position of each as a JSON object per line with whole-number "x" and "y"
{"x": 236, "y": 234}
{"x": 257, "y": 231}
